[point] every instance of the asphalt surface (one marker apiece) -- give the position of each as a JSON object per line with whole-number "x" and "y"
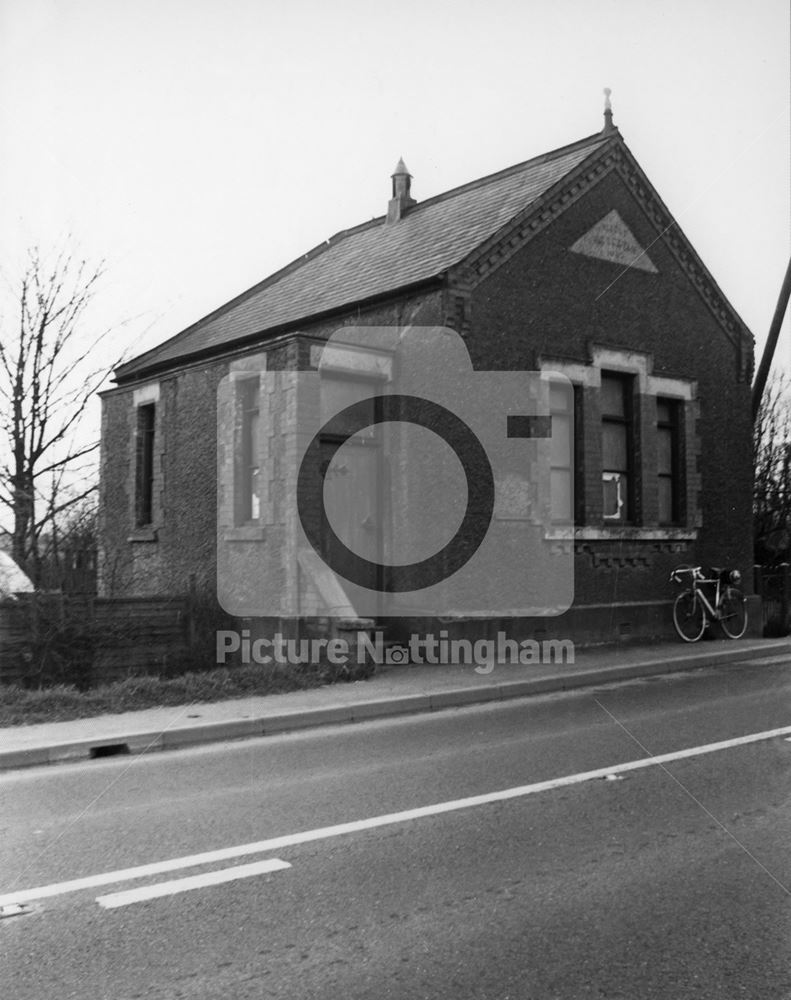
{"x": 664, "y": 882}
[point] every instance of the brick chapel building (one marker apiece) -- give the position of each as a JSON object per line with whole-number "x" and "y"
{"x": 516, "y": 263}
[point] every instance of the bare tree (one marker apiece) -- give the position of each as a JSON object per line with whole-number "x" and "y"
{"x": 47, "y": 379}
{"x": 772, "y": 496}
{"x": 68, "y": 549}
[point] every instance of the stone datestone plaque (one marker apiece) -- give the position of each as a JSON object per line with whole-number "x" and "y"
{"x": 612, "y": 240}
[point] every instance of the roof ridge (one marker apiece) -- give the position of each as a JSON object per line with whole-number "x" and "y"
{"x": 570, "y": 147}
{"x": 508, "y": 171}
{"x": 342, "y": 235}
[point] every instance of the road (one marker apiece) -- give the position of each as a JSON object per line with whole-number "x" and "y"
{"x": 661, "y": 881}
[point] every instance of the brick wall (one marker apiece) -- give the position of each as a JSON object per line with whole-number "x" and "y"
{"x": 549, "y": 302}
{"x": 181, "y": 541}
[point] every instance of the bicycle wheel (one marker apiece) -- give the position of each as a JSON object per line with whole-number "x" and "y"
{"x": 733, "y": 613}
{"x": 688, "y": 616}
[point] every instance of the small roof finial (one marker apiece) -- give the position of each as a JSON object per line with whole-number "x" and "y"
{"x": 401, "y": 169}
{"x": 608, "y": 125}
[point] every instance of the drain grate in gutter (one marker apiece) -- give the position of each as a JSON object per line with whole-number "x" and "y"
{"x": 109, "y": 750}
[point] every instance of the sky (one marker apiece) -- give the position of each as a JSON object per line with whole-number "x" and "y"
{"x": 196, "y": 146}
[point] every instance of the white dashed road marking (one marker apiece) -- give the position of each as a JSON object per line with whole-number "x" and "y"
{"x": 116, "y": 899}
{"x": 357, "y": 826}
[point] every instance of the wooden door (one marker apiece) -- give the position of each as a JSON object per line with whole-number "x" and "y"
{"x": 352, "y": 498}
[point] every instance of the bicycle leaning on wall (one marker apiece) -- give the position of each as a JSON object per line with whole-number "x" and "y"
{"x": 693, "y": 608}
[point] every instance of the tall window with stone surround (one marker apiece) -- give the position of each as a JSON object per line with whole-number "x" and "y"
{"x": 668, "y": 460}
{"x": 249, "y": 502}
{"x": 144, "y": 466}
{"x": 561, "y": 408}
{"x": 617, "y": 447}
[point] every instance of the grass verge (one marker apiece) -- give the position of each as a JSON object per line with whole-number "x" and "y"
{"x": 21, "y": 706}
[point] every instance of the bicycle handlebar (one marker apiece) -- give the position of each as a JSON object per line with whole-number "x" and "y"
{"x": 695, "y": 571}
{"x": 724, "y": 576}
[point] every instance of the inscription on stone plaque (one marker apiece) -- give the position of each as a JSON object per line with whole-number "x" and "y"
{"x": 611, "y": 239}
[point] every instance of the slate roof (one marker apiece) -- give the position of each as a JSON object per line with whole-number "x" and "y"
{"x": 375, "y": 258}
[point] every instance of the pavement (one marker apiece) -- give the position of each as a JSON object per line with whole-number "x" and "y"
{"x": 395, "y": 690}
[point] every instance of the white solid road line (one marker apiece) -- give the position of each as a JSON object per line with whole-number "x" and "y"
{"x": 116, "y": 899}
{"x": 340, "y": 829}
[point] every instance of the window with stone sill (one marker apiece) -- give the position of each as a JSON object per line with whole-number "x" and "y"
{"x": 144, "y": 465}
{"x": 643, "y": 453}
{"x": 562, "y": 471}
{"x": 617, "y": 446}
{"x": 668, "y": 467}
{"x": 248, "y": 506}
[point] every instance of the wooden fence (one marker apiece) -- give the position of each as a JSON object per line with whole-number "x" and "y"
{"x": 50, "y": 638}
{"x": 773, "y": 584}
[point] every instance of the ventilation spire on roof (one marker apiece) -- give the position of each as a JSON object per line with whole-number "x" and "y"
{"x": 608, "y": 125}
{"x": 401, "y": 200}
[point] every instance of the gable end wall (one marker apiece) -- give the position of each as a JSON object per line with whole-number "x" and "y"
{"x": 546, "y": 301}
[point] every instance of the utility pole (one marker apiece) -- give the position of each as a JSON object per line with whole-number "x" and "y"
{"x": 771, "y": 342}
